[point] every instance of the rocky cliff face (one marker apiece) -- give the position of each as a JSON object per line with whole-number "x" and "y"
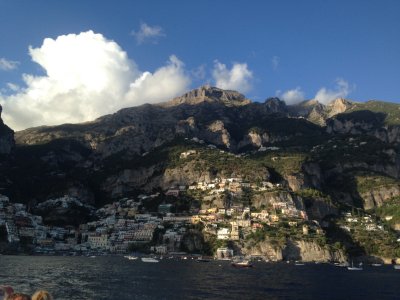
{"x": 295, "y": 250}
{"x": 377, "y": 196}
{"x": 6, "y": 137}
{"x": 267, "y": 198}
{"x": 319, "y": 113}
{"x": 311, "y": 251}
{"x": 209, "y": 94}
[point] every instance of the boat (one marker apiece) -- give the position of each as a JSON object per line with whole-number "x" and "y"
{"x": 396, "y": 267}
{"x": 342, "y": 265}
{"x": 201, "y": 259}
{"x": 376, "y": 265}
{"x": 242, "y": 264}
{"x": 297, "y": 263}
{"x": 149, "y": 260}
{"x": 131, "y": 257}
{"x": 353, "y": 268}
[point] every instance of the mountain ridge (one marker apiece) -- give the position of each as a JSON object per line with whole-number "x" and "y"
{"x": 325, "y": 160}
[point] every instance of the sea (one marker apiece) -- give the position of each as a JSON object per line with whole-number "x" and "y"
{"x": 115, "y": 277}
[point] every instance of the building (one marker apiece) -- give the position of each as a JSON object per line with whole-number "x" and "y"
{"x": 98, "y": 241}
{"x": 223, "y": 234}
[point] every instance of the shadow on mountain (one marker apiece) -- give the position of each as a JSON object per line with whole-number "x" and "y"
{"x": 373, "y": 119}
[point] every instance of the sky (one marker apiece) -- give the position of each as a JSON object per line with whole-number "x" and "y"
{"x": 73, "y": 61}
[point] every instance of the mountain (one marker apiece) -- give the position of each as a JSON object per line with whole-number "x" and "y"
{"x": 225, "y": 119}
{"x": 317, "y": 112}
{"x": 328, "y": 160}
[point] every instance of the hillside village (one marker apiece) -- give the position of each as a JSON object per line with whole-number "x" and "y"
{"x": 126, "y": 225}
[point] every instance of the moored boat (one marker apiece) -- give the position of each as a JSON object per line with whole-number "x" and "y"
{"x": 149, "y": 260}
{"x": 131, "y": 257}
{"x": 242, "y": 264}
{"x": 202, "y": 259}
{"x": 396, "y": 267}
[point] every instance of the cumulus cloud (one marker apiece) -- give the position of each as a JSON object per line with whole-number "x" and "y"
{"x": 341, "y": 90}
{"x": 148, "y": 33}
{"x": 292, "y": 96}
{"x": 8, "y": 65}
{"x": 169, "y": 80}
{"x": 237, "y": 78}
{"x": 87, "y": 76}
{"x": 275, "y": 62}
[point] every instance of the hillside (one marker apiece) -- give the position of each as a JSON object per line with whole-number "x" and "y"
{"x": 310, "y": 164}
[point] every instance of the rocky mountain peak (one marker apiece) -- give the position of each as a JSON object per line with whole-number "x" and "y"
{"x": 209, "y": 94}
{"x": 274, "y": 104}
{"x": 338, "y": 106}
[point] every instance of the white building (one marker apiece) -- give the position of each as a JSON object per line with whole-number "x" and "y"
{"x": 223, "y": 234}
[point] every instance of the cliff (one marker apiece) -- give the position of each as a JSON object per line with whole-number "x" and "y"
{"x": 6, "y": 137}
{"x": 296, "y": 250}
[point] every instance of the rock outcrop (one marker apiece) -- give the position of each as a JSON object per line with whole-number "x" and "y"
{"x": 295, "y": 250}
{"x": 209, "y": 94}
{"x": 267, "y": 198}
{"x": 377, "y": 196}
{"x": 7, "y": 142}
{"x": 311, "y": 251}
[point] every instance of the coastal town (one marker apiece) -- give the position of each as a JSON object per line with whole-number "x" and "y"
{"x": 126, "y": 225}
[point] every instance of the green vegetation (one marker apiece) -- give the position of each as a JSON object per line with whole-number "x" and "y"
{"x": 366, "y": 236}
{"x": 380, "y": 243}
{"x": 278, "y": 234}
{"x": 343, "y": 149}
{"x": 212, "y": 244}
{"x": 283, "y": 162}
{"x": 390, "y": 111}
{"x": 390, "y": 209}
{"x": 368, "y": 181}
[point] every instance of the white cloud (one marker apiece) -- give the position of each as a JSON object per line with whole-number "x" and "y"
{"x": 238, "y": 78}
{"x": 166, "y": 82}
{"x": 292, "y": 96}
{"x": 8, "y": 65}
{"x": 148, "y": 33}
{"x": 275, "y": 62}
{"x": 341, "y": 90}
{"x": 87, "y": 76}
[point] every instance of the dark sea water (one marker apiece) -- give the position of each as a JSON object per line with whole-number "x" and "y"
{"x": 112, "y": 277}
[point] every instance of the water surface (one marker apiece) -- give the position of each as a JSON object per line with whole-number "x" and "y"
{"x": 114, "y": 277}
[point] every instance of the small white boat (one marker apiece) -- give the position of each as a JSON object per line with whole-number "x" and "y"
{"x": 376, "y": 265}
{"x": 149, "y": 260}
{"x": 131, "y": 257}
{"x": 298, "y": 263}
{"x": 396, "y": 267}
{"x": 242, "y": 264}
{"x": 342, "y": 265}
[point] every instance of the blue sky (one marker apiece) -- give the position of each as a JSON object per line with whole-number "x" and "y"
{"x": 295, "y": 49}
